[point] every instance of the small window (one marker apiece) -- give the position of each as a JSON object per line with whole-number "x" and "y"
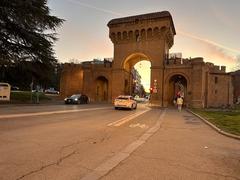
{"x": 137, "y": 37}
{"x": 216, "y": 80}
{"x": 216, "y": 91}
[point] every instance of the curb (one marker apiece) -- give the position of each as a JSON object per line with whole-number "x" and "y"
{"x": 215, "y": 127}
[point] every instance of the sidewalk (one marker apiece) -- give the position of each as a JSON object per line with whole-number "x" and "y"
{"x": 183, "y": 148}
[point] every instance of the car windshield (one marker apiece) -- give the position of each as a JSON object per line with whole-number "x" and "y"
{"x": 75, "y": 96}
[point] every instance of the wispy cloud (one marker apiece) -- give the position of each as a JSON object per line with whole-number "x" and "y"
{"x": 217, "y": 45}
{"x": 94, "y": 7}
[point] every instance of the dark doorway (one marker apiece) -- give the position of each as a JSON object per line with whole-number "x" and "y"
{"x": 177, "y": 86}
{"x": 101, "y": 89}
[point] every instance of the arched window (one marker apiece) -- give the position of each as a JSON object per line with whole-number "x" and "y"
{"x": 149, "y": 33}
{"x": 163, "y": 29}
{"x": 137, "y": 36}
{"x": 130, "y": 35}
{"x": 156, "y": 32}
{"x": 143, "y": 34}
{"x": 124, "y": 35}
{"x": 113, "y": 36}
{"x": 119, "y": 36}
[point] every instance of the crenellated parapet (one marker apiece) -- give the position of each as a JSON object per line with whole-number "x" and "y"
{"x": 216, "y": 69}
{"x": 194, "y": 62}
{"x": 88, "y": 65}
{"x": 143, "y": 28}
{"x": 183, "y": 62}
{"x": 71, "y": 67}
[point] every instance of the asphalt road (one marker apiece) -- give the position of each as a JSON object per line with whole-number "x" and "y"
{"x": 97, "y": 142}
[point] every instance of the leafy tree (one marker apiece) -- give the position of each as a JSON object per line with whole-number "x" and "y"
{"x": 27, "y": 32}
{"x": 23, "y": 73}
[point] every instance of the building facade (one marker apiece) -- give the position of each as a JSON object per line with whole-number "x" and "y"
{"x": 236, "y": 86}
{"x": 149, "y": 37}
{"x": 136, "y": 80}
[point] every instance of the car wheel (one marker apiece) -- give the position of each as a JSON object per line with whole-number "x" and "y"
{"x": 116, "y": 108}
{"x": 131, "y": 107}
{"x": 135, "y": 107}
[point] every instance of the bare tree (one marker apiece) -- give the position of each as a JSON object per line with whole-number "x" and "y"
{"x": 238, "y": 63}
{"x": 236, "y": 67}
{"x": 74, "y": 61}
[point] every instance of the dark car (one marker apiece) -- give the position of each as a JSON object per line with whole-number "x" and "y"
{"x": 77, "y": 99}
{"x": 14, "y": 88}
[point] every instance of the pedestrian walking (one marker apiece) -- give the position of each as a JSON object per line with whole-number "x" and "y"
{"x": 179, "y": 103}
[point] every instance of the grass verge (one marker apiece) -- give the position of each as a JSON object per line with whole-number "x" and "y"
{"x": 228, "y": 121}
{"x": 25, "y": 96}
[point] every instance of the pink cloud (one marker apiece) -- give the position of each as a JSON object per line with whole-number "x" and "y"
{"x": 221, "y": 56}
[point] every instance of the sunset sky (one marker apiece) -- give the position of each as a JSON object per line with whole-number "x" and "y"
{"x": 206, "y": 28}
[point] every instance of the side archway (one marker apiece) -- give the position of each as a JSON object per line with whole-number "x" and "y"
{"x": 101, "y": 89}
{"x": 177, "y": 84}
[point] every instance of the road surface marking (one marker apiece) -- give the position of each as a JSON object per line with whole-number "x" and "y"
{"x": 47, "y": 113}
{"x": 142, "y": 126}
{"x": 104, "y": 168}
{"x": 126, "y": 119}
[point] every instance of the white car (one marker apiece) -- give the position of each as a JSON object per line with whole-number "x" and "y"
{"x": 124, "y": 101}
{"x": 51, "y": 91}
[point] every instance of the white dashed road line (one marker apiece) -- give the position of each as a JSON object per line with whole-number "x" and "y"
{"x": 142, "y": 126}
{"x": 126, "y": 119}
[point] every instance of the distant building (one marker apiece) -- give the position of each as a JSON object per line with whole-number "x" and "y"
{"x": 136, "y": 82}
